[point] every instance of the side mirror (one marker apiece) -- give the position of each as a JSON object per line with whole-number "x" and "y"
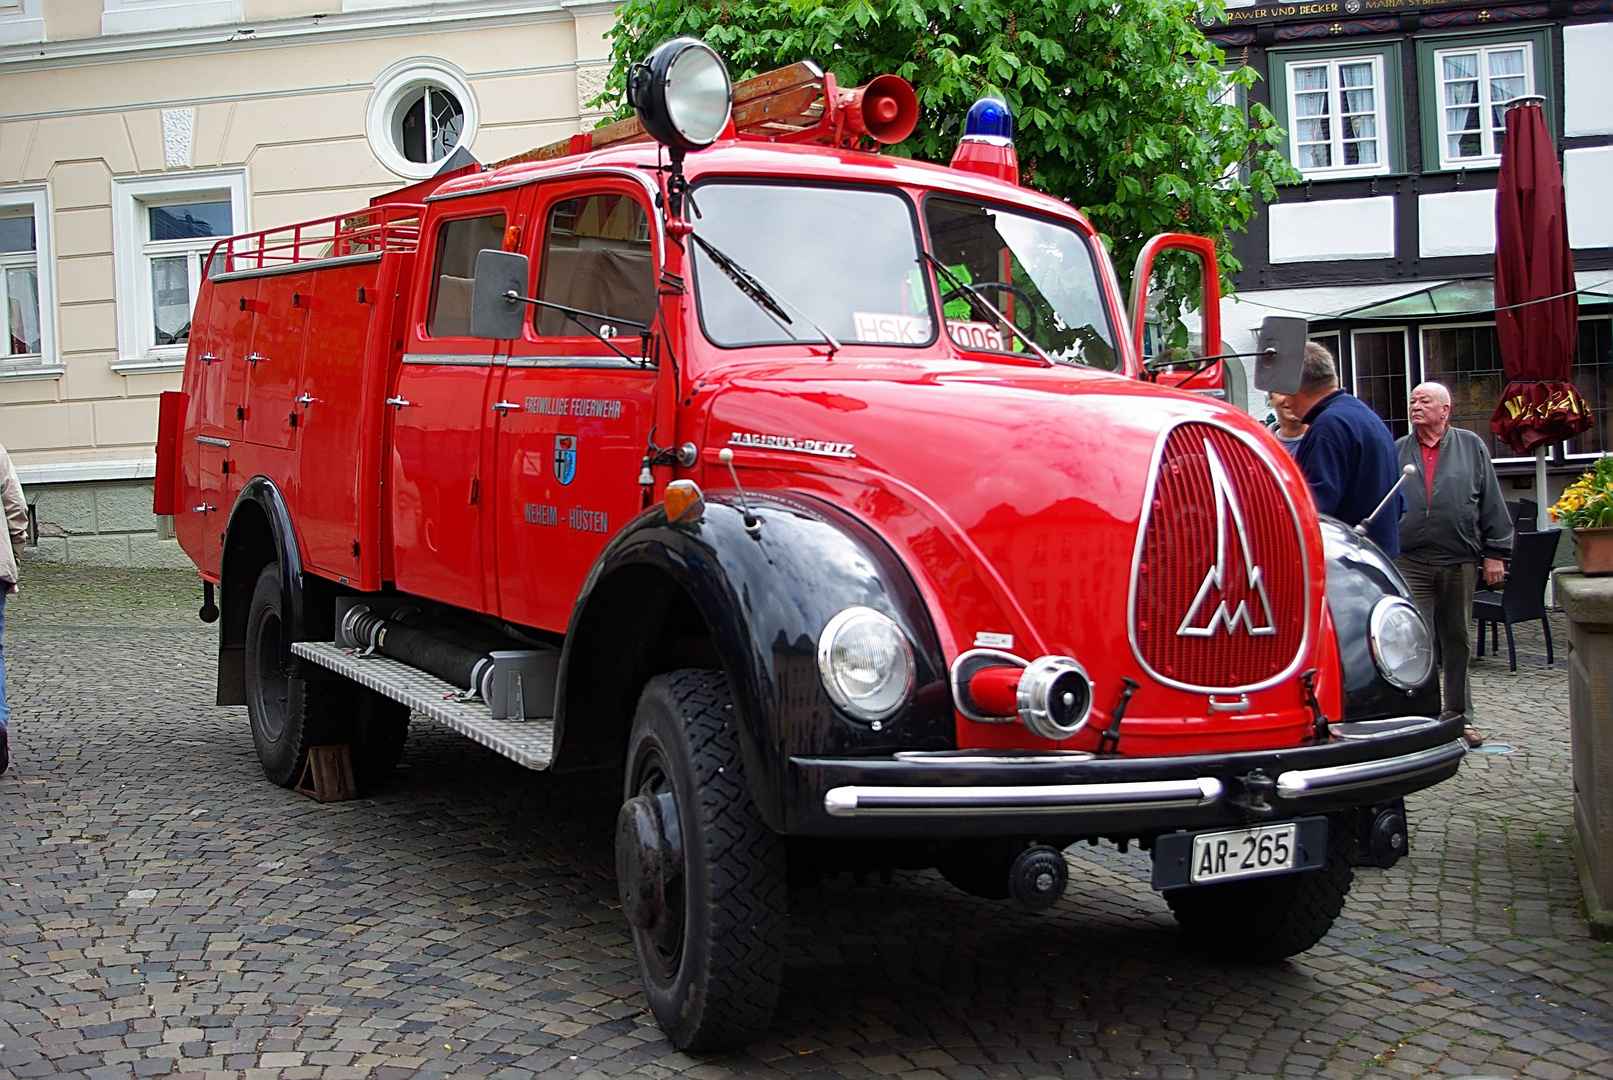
{"x": 1176, "y": 312}
{"x": 493, "y": 313}
{"x": 1280, "y": 353}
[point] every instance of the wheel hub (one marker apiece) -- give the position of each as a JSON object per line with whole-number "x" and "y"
{"x": 649, "y": 858}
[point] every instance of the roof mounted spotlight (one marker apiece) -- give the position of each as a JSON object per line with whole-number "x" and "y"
{"x": 987, "y": 146}
{"x": 683, "y": 99}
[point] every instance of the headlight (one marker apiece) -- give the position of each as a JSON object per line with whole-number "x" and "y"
{"x": 681, "y": 94}
{"x": 1400, "y": 643}
{"x": 866, "y": 663}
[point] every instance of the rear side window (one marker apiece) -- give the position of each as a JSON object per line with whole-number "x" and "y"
{"x": 597, "y": 258}
{"x": 458, "y": 243}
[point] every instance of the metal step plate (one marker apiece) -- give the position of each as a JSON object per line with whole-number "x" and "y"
{"x": 526, "y": 742}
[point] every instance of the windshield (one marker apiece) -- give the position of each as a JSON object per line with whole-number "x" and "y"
{"x": 1039, "y": 274}
{"x": 847, "y": 259}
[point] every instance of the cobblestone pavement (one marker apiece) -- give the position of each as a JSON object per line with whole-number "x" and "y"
{"x": 165, "y": 910}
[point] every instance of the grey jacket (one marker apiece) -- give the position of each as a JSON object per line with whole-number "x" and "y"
{"x": 15, "y": 512}
{"x": 1467, "y": 519}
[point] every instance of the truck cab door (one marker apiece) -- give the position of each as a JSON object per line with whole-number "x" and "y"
{"x": 438, "y": 406}
{"x": 1176, "y": 313}
{"x": 573, "y": 414}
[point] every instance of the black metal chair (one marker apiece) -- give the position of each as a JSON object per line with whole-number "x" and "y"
{"x": 1524, "y": 513}
{"x": 1524, "y": 598}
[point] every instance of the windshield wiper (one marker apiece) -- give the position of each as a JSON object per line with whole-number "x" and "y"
{"x": 981, "y": 304}
{"x": 577, "y": 315}
{"x": 749, "y": 284}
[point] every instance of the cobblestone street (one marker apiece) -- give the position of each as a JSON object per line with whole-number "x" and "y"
{"x": 163, "y": 909}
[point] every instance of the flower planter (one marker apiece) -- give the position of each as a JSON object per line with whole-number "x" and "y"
{"x": 1593, "y": 548}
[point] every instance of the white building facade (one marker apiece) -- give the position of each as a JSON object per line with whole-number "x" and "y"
{"x": 134, "y": 133}
{"x": 1393, "y": 112}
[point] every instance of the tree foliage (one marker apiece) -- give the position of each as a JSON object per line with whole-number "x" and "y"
{"x": 1121, "y": 106}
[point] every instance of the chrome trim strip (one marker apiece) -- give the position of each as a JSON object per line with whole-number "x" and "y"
{"x": 1299, "y": 783}
{"x": 986, "y": 757}
{"x": 1306, "y": 641}
{"x": 579, "y": 361}
{"x": 856, "y": 801}
{"x": 297, "y": 267}
{"x": 208, "y": 440}
{"x": 449, "y": 359}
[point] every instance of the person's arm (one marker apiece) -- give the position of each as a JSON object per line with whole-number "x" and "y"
{"x": 1325, "y": 465}
{"x": 1495, "y": 524}
{"x": 16, "y": 508}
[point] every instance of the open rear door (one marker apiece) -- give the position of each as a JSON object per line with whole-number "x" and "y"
{"x": 1176, "y": 313}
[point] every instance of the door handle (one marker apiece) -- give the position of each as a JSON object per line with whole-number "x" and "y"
{"x": 400, "y": 401}
{"x": 202, "y": 509}
{"x": 254, "y": 357}
{"x": 504, "y": 406}
{"x": 305, "y": 398}
{"x": 208, "y": 358}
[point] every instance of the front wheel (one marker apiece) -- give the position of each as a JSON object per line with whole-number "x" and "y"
{"x": 702, "y": 877}
{"x": 1268, "y": 918}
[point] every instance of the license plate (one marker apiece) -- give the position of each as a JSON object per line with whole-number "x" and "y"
{"x": 1241, "y": 853}
{"x": 1283, "y": 847}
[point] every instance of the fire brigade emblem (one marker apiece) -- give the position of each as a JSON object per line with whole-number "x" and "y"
{"x": 565, "y": 458}
{"x": 1233, "y": 584}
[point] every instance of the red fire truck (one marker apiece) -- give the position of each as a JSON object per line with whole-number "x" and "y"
{"x": 823, "y": 501}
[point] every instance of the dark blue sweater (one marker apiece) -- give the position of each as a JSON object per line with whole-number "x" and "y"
{"x": 1350, "y": 461}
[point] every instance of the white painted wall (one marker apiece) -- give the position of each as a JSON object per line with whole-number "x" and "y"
{"x": 1588, "y": 79}
{"x": 1456, "y": 223}
{"x": 1332, "y": 229}
{"x": 1588, "y": 184}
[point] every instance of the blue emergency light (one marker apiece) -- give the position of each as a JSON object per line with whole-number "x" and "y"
{"x": 990, "y": 118}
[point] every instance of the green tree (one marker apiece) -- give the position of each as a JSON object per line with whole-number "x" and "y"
{"x": 1121, "y": 107}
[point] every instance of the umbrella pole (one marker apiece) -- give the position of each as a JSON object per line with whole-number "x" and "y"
{"x": 1542, "y": 501}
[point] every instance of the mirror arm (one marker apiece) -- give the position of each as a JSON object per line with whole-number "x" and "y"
{"x": 576, "y": 315}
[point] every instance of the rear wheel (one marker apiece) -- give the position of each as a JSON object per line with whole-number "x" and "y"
{"x": 702, "y": 877}
{"x": 287, "y": 713}
{"x": 378, "y": 727}
{"x": 1268, "y": 918}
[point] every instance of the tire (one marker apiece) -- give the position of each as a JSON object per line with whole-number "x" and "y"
{"x": 714, "y": 960}
{"x": 1271, "y": 918}
{"x": 286, "y": 717}
{"x": 980, "y": 867}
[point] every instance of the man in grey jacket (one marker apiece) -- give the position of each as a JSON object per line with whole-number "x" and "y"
{"x": 1455, "y": 519}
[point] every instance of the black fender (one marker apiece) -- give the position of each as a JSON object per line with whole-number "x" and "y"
{"x": 259, "y": 532}
{"x": 762, "y": 602}
{"x": 1359, "y": 574}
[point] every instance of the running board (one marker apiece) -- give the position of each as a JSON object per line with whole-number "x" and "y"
{"x": 527, "y": 742}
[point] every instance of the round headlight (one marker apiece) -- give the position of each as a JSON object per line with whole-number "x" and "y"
{"x": 681, "y": 94}
{"x": 1400, "y": 643}
{"x": 866, "y": 663}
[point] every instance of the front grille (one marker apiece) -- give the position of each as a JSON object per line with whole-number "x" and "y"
{"x": 1219, "y": 586}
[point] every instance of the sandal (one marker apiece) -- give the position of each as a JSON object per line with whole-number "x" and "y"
{"x": 1471, "y": 736}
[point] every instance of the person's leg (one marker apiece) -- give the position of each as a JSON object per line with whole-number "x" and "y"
{"x": 5, "y": 717}
{"x": 1453, "y": 609}
{"x": 1420, "y": 579}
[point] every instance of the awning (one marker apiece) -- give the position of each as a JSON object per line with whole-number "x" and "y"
{"x": 1471, "y": 296}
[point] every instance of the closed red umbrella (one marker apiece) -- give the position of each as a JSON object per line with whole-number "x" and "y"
{"x": 1533, "y": 262}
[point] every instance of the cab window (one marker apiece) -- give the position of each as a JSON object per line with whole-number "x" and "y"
{"x": 454, "y": 272}
{"x": 597, "y": 258}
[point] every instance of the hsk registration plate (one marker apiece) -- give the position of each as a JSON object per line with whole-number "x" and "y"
{"x": 1231, "y": 854}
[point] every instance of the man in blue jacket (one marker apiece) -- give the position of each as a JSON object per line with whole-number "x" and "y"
{"x": 1346, "y": 454}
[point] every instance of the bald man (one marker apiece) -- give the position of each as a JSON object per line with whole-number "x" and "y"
{"x": 1455, "y": 521}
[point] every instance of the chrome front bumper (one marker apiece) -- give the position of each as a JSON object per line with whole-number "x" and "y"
{"x": 1304, "y": 789}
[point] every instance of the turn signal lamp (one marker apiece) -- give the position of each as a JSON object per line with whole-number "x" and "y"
{"x": 987, "y": 146}
{"x": 683, "y": 499}
{"x": 681, "y": 94}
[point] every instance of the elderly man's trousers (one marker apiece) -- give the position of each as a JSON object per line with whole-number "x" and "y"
{"x": 1444, "y": 597}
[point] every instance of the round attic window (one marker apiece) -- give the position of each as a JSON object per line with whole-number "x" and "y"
{"x": 420, "y": 112}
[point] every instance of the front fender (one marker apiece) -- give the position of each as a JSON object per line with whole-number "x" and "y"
{"x": 764, "y": 601}
{"x": 1358, "y": 576}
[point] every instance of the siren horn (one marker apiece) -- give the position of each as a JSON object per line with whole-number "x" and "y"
{"x": 886, "y": 109}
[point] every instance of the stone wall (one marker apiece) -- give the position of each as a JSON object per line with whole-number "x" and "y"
{"x": 106, "y": 523}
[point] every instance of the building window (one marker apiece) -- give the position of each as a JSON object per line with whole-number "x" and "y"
{"x": 1341, "y": 106}
{"x": 420, "y": 113}
{"x": 144, "y": 16}
{"x": 1474, "y": 83}
{"x": 1467, "y": 359}
{"x": 1336, "y": 116}
{"x": 163, "y": 230}
{"x": 1593, "y": 375}
{"x": 27, "y": 308}
{"x": 1378, "y": 358}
